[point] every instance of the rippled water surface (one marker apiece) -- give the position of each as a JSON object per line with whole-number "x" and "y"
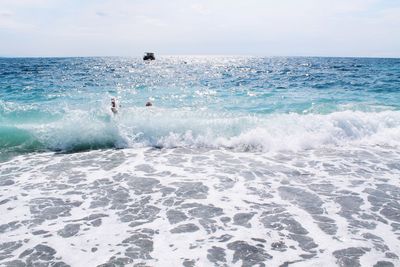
{"x": 241, "y": 161}
{"x": 62, "y": 104}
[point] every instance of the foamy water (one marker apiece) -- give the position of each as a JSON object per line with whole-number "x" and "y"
{"x": 184, "y": 206}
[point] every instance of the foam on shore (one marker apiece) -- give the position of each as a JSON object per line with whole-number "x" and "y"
{"x": 188, "y": 207}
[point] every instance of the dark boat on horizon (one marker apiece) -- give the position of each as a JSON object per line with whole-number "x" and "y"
{"x": 149, "y": 56}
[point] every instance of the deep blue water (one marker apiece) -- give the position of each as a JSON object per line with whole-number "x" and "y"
{"x": 244, "y": 103}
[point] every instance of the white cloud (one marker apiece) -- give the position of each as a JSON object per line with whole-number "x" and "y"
{"x": 200, "y": 9}
{"x": 27, "y": 3}
{"x": 8, "y": 21}
{"x": 5, "y": 13}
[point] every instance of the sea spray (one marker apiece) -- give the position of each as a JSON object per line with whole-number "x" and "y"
{"x": 171, "y": 128}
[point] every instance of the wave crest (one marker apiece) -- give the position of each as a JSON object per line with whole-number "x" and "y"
{"x": 80, "y": 130}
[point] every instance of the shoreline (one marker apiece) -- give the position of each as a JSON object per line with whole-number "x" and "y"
{"x": 184, "y": 206}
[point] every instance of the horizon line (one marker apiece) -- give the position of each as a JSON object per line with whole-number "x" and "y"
{"x": 198, "y": 55}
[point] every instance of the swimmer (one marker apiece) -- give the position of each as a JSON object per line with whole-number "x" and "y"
{"x": 149, "y": 104}
{"x": 114, "y": 108}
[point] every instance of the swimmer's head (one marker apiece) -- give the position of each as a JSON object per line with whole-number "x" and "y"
{"x": 113, "y": 103}
{"x": 149, "y": 104}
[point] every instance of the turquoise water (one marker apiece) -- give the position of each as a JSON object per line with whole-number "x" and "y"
{"x": 239, "y": 103}
{"x": 240, "y": 161}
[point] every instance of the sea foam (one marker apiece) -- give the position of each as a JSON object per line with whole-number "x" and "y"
{"x": 170, "y": 128}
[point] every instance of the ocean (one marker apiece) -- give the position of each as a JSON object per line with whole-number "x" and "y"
{"x": 240, "y": 161}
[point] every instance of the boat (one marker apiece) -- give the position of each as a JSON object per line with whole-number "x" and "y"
{"x": 149, "y": 56}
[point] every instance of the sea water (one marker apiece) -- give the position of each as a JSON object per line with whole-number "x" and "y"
{"x": 241, "y": 161}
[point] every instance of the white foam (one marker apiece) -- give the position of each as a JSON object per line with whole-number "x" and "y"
{"x": 171, "y": 128}
{"x": 37, "y": 176}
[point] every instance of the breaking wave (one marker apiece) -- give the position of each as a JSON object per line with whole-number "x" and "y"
{"x": 169, "y": 128}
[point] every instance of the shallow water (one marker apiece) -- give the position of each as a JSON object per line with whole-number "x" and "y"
{"x": 175, "y": 207}
{"x": 240, "y": 162}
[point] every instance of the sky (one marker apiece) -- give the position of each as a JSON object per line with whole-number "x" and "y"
{"x": 368, "y": 28}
